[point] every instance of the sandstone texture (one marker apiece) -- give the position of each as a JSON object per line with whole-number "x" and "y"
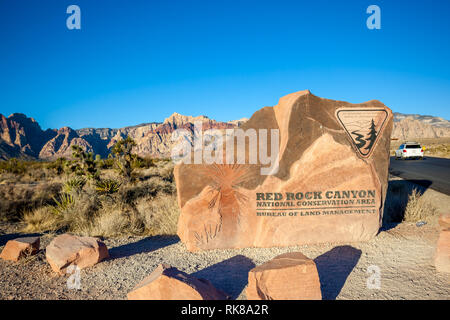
{"x": 19, "y": 248}
{"x": 289, "y": 276}
{"x": 442, "y": 255}
{"x": 330, "y": 184}
{"x": 66, "y": 250}
{"x": 168, "y": 283}
{"x": 444, "y": 221}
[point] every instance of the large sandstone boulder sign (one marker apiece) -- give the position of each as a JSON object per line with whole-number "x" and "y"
{"x": 329, "y": 185}
{"x": 19, "y": 248}
{"x": 169, "y": 283}
{"x": 66, "y": 250}
{"x": 289, "y": 276}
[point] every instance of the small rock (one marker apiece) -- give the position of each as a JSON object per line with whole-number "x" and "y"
{"x": 289, "y": 276}
{"x": 169, "y": 283}
{"x": 420, "y": 223}
{"x": 20, "y": 248}
{"x": 442, "y": 256}
{"x": 66, "y": 250}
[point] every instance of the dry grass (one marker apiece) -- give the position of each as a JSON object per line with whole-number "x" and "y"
{"x": 160, "y": 214}
{"x": 16, "y": 199}
{"x": 145, "y": 207}
{"x": 404, "y": 202}
{"x": 418, "y": 208}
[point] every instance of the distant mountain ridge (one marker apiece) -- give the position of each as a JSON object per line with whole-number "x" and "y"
{"x": 22, "y": 137}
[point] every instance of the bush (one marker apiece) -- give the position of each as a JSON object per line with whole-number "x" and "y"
{"x": 75, "y": 184}
{"x": 107, "y": 186}
{"x": 18, "y": 199}
{"x": 65, "y": 203}
{"x": 41, "y": 220}
{"x": 160, "y": 214}
{"x": 13, "y": 166}
{"x": 418, "y": 208}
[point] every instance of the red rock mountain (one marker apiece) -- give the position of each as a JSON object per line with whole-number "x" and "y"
{"x": 22, "y": 137}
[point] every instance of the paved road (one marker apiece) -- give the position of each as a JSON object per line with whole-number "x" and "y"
{"x": 431, "y": 172}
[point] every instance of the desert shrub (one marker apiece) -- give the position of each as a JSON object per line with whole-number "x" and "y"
{"x": 105, "y": 163}
{"x": 41, "y": 220}
{"x": 141, "y": 163}
{"x": 167, "y": 173}
{"x": 124, "y": 159}
{"x": 160, "y": 214}
{"x": 131, "y": 192}
{"x": 111, "y": 220}
{"x": 18, "y": 199}
{"x": 418, "y": 208}
{"x": 63, "y": 203}
{"x": 107, "y": 186}
{"x": 13, "y": 166}
{"x": 74, "y": 184}
{"x": 83, "y": 163}
{"x": 405, "y": 203}
{"x": 71, "y": 212}
{"x": 59, "y": 166}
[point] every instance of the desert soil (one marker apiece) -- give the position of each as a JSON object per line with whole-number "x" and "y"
{"x": 403, "y": 253}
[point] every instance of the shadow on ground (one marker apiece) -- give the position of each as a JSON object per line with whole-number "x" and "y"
{"x": 230, "y": 275}
{"x": 397, "y": 198}
{"x": 4, "y": 238}
{"x": 334, "y": 267}
{"x": 142, "y": 246}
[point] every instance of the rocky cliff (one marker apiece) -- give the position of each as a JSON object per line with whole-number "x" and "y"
{"x": 22, "y": 137}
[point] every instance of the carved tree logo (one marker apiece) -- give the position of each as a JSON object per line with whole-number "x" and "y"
{"x": 363, "y": 126}
{"x": 227, "y": 198}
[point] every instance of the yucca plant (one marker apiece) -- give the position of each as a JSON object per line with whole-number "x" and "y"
{"x": 107, "y": 186}
{"x": 75, "y": 184}
{"x": 65, "y": 202}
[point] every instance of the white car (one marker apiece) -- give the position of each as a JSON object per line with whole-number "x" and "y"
{"x": 409, "y": 150}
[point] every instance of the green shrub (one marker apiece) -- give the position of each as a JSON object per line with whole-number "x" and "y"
{"x": 107, "y": 186}
{"x": 64, "y": 203}
{"x": 75, "y": 184}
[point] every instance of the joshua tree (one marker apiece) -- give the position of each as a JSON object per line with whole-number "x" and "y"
{"x": 123, "y": 156}
{"x": 84, "y": 163}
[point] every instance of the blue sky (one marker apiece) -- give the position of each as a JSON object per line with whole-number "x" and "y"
{"x": 140, "y": 61}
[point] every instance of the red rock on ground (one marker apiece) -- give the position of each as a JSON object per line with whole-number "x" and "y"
{"x": 290, "y": 276}
{"x": 442, "y": 256}
{"x": 169, "y": 283}
{"x": 20, "y": 248}
{"x": 66, "y": 250}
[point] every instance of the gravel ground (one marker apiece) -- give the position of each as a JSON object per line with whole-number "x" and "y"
{"x": 404, "y": 255}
